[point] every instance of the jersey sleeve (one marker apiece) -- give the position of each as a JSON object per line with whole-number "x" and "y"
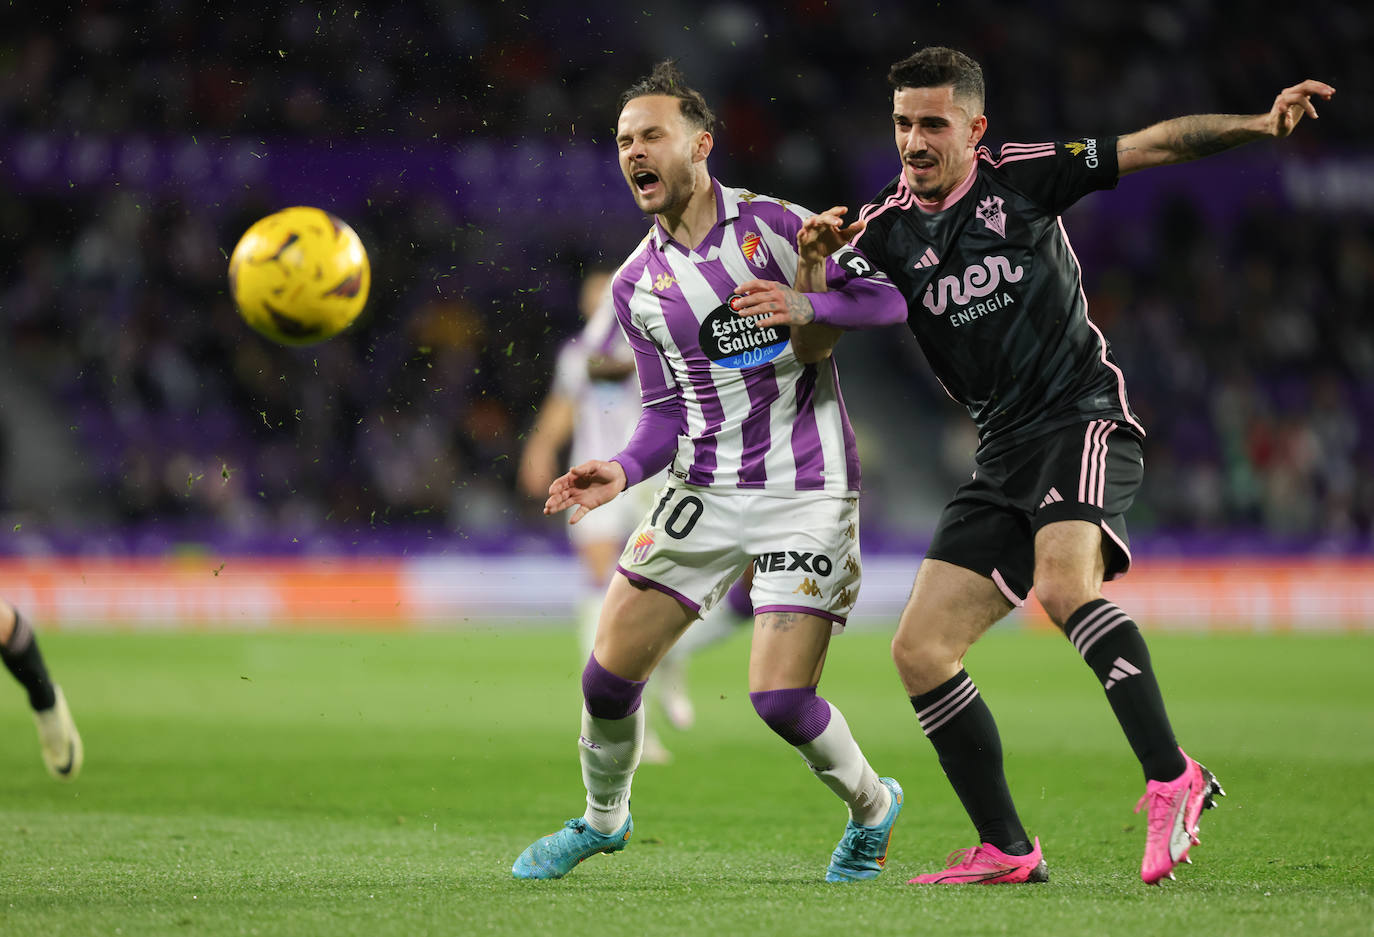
{"x": 1055, "y": 175}
{"x": 656, "y": 381}
{"x": 859, "y": 295}
{"x": 653, "y": 443}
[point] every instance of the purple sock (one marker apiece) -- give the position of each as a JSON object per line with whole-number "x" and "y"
{"x": 608, "y": 696}
{"x": 797, "y": 715}
{"x": 739, "y": 599}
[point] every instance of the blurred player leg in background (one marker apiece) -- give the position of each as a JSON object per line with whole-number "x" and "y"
{"x": 57, "y": 735}
{"x": 736, "y": 611}
{"x": 592, "y": 406}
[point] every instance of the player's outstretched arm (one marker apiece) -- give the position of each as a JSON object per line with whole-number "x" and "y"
{"x": 1198, "y": 135}
{"x": 585, "y": 487}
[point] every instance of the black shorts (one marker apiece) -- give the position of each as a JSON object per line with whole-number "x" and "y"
{"x": 1087, "y": 472}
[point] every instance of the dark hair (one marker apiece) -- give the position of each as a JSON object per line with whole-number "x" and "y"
{"x": 937, "y": 66}
{"x": 667, "y": 79}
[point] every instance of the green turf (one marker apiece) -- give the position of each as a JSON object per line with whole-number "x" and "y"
{"x": 382, "y": 784}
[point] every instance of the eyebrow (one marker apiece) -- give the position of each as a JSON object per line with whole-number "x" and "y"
{"x": 628, "y": 135}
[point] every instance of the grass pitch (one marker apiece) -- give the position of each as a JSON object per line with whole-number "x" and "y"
{"x": 378, "y": 784}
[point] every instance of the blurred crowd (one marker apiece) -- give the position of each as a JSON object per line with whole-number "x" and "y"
{"x": 1248, "y": 342}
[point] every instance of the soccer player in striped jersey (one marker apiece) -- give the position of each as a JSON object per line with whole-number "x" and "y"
{"x": 975, "y": 243}
{"x": 740, "y": 399}
{"x": 58, "y": 740}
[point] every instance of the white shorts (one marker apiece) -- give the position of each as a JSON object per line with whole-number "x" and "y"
{"x": 695, "y": 542}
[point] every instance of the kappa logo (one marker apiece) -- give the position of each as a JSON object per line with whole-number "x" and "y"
{"x": 1086, "y": 148}
{"x": 808, "y": 587}
{"x": 990, "y": 210}
{"x": 976, "y": 281}
{"x": 851, "y": 566}
{"x": 754, "y": 250}
{"x": 928, "y": 259}
{"x": 644, "y": 543}
{"x": 846, "y": 597}
{"x": 851, "y": 531}
{"x": 663, "y": 282}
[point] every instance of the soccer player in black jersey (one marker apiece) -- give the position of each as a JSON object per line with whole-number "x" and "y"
{"x": 975, "y": 242}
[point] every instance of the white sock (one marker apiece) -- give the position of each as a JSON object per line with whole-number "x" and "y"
{"x": 609, "y": 750}
{"x": 835, "y": 758}
{"x": 588, "y": 614}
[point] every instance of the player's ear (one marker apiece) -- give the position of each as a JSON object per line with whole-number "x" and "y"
{"x": 701, "y": 148}
{"x": 977, "y": 127}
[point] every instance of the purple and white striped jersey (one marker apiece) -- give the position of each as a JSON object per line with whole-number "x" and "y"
{"x": 727, "y": 403}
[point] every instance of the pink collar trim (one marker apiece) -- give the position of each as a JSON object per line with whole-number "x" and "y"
{"x": 953, "y": 196}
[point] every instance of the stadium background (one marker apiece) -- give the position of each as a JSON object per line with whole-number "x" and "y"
{"x": 163, "y": 466}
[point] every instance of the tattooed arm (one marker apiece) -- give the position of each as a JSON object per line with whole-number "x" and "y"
{"x": 1186, "y": 138}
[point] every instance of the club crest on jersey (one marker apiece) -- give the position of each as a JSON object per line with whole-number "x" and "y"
{"x": 990, "y": 210}
{"x": 753, "y": 248}
{"x": 643, "y": 544}
{"x": 732, "y": 341}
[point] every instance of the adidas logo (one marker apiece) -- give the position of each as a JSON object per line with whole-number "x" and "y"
{"x": 928, "y": 259}
{"x": 1052, "y": 497}
{"x": 1121, "y": 669}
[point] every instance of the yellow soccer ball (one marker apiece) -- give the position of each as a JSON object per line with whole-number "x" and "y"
{"x": 299, "y": 276}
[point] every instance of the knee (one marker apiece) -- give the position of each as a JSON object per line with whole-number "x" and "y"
{"x": 797, "y": 715}
{"x": 923, "y": 661}
{"x": 608, "y": 696}
{"x": 1061, "y": 599}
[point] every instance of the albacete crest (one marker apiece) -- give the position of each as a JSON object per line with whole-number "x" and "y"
{"x": 990, "y": 210}
{"x": 753, "y": 249}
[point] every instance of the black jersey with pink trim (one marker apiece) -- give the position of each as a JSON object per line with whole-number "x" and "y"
{"x": 994, "y": 291}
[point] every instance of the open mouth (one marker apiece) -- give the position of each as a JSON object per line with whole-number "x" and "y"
{"x": 645, "y": 181}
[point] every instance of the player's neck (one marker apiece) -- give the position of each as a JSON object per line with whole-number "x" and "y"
{"x": 691, "y": 226}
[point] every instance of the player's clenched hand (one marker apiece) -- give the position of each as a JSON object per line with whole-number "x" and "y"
{"x": 585, "y": 486}
{"x": 1292, "y": 103}
{"x": 769, "y": 303}
{"x": 824, "y": 233}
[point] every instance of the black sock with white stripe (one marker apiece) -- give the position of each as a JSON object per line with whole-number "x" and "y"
{"x": 20, "y": 655}
{"x": 960, "y": 726}
{"x": 1114, "y": 648}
